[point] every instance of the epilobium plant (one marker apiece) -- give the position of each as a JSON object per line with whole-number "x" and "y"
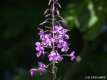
{"x": 54, "y": 37}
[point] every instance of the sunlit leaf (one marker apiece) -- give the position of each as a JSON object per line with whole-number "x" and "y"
{"x": 93, "y": 18}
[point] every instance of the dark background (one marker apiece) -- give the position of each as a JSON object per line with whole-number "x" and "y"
{"x": 19, "y": 20}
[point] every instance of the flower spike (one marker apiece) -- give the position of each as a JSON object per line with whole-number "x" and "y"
{"x": 53, "y": 39}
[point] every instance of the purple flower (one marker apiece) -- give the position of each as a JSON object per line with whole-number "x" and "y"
{"x": 42, "y": 66}
{"x": 60, "y": 43}
{"x": 63, "y": 36}
{"x": 39, "y": 48}
{"x": 41, "y": 33}
{"x": 57, "y": 29}
{"x": 66, "y": 36}
{"x": 33, "y": 71}
{"x": 46, "y": 40}
{"x": 54, "y": 56}
{"x": 64, "y": 31}
{"x": 41, "y": 69}
{"x": 63, "y": 45}
{"x": 72, "y": 55}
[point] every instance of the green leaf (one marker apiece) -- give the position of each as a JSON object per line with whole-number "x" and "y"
{"x": 93, "y": 18}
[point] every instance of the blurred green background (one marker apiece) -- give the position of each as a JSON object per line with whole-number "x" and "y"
{"x": 19, "y": 20}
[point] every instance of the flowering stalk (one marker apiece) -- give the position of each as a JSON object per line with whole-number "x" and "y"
{"x": 53, "y": 47}
{"x": 54, "y": 37}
